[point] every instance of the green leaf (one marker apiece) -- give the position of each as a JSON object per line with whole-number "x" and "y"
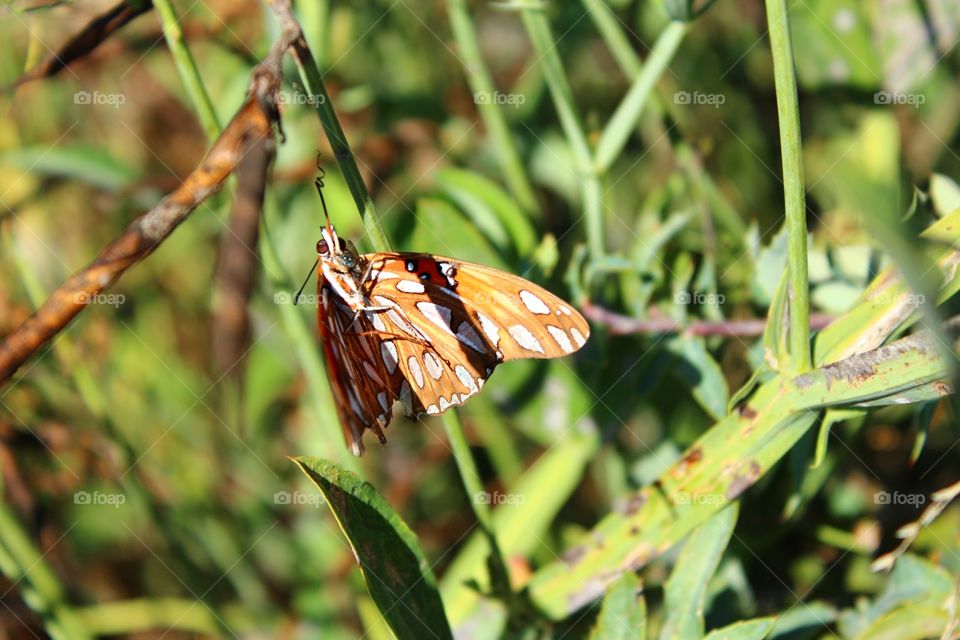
{"x": 623, "y": 615}
{"x": 945, "y": 194}
{"x": 701, "y": 372}
{"x": 812, "y": 615}
{"x": 744, "y": 630}
{"x": 391, "y": 560}
{"x": 833, "y": 41}
{"x": 913, "y": 581}
{"x": 913, "y": 622}
{"x": 831, "y": 418}
{"x": 520, "y": 527}
{"x": 776, "y": 333}
{"x": 374, "y": 625}
{"x": 686, "y": 589}
{"x": 86, "y": 164}
{"x": 923, "y": 420}
{"x": 494, "y": 211}
{"x": 459, "y": 238}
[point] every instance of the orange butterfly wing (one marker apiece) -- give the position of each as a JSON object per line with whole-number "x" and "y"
{"x": 436, "y": 330}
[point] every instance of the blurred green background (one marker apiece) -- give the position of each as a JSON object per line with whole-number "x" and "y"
{"x": 155, "y": 492}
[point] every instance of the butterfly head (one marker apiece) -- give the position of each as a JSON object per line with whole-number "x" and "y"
{"x": 341, "y": 267}
{"x": 336, "y": 253}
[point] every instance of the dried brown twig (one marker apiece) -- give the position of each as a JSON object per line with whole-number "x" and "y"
{"x": 237, "y": 263}
{"x": 623, "y": 325}
{"x": 250, "y": 126}
{"x": 88, "y": 39}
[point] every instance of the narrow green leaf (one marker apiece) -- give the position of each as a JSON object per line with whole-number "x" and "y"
{"x": 924, "y": 418}
{"x": 776, "y": 345}
{"x": 686, "y": 589}
{"x": 912, "y": 622}
{"x": 701, "y": 372}
{"x": 374, "y": 625}
{"x": 744, "y": 630}
{"x": 913, "y": 582}
{"x": 945, "y": 194}
{"x": 623, "y": 615}
{"x": 812, "y": 615}
{"x": 391, "y": 560}
{"x": 624, "y": 119}
{"x": 823, "y": 436}
{"x": 491, "y": 209}
{"x": 85, "y": 164}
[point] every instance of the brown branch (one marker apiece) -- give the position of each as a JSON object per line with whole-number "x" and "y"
{"x": 250, "y": 126}
{"x": 89, "y": 38}
{"x": 619, "y": 325}
{"x": 236, "y": 267}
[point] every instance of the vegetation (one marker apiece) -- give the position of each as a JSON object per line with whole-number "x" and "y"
{"x": 754, "y": 204}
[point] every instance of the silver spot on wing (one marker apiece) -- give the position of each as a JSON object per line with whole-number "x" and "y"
{"x": 434, "y": 368}
{"x": 561, "y": 337}
{"x": 533, "y": 302}
{"x": 388, "y": 353}
{"x": 524, "y": 338}
{"x": 414, "y": 365}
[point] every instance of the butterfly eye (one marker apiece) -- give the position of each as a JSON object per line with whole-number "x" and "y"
{"x": 322, "y": 248}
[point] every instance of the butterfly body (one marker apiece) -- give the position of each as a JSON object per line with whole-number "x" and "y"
{"x": 425, "y": 330}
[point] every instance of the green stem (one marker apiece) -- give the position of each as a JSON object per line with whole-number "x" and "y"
{"x": 37, "y": 583}
{"x": 315, "y": 18}
{"x": 187, "y": 67}
{"x": 130, "y": 616}
{"x": 479, "y": 500}
{"x": 788, "y": 115}
{"x": 621, "y": 125}
{"x": 608, "y": 25}
{"x": 478, "y": 77}
{"x": 313, "y": 84}
{"x": 560, "y": 91}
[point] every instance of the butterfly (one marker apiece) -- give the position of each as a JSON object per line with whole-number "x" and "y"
{"x": 425, "y": 330}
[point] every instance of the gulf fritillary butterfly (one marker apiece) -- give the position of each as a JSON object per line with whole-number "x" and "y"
{"x": 425, "y": 330}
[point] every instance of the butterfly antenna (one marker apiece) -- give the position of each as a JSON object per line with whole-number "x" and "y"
{"x": 296, "y": 298}
{"x": 318, "y": 183}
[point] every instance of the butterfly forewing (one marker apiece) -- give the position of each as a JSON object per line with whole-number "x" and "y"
{"x": 432, "y": 331}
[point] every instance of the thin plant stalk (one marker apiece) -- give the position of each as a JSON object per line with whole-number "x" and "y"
{"x": 187, "y": 67}
{"x": 313, "y": 84}
{"x": 538, "y": 30}
{"x": 788, "y": 115}
{"x": 608, "y": 25}
{"x": 624, "y": 119}
{"x": 478, "y": 77}
{"x": 41, "y": 589}
{"x": 478, "y": 498}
